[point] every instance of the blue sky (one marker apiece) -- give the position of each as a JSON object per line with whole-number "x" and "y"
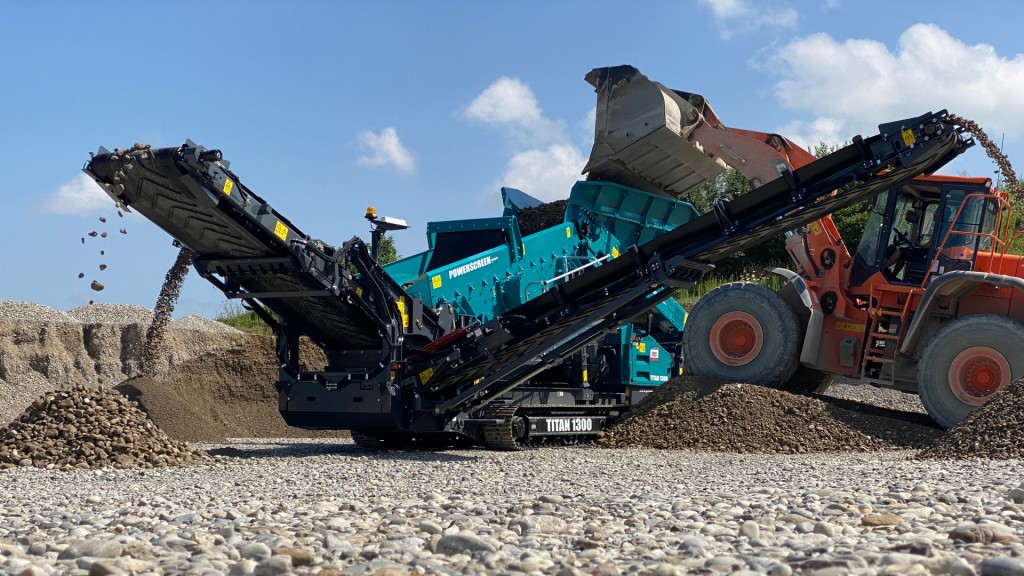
{"x": 423, "y": 109}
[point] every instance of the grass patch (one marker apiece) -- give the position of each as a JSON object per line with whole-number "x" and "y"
{"x": 688, "y": 298}
{"x": 235, "y": 315}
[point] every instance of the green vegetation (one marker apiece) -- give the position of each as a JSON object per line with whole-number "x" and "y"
{"x": 238, "y": 317}
{"x": 388, "y": 252}
{"x": 688, "y": 298}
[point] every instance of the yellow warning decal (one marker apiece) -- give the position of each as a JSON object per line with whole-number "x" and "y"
{"x": 615, "y": 252}
{"x": 425, "y": 375}
{"x": 585, "y": 376}
{"x": 405, "y": 315}
{"x": 359, "y": 292}
{"x": 435, "y": 282}
{"x": 568, "y": 231}
{"x": 850, "y": 326}
{"x": 641, "y": 347}
{"x": 815, "y": 228}
{"x": 281, "y": 231}
{"x": 228, "y": 185}
{"x": 908, "y": 137}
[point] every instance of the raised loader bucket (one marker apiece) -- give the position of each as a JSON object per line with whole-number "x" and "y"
{"x": 642, "y": 135}
{"x": 665, "y": 141}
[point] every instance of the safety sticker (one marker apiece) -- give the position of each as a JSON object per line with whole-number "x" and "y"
{"x": 568, "y": 231}
{"x": 403, "y": 313}
{"x": 228, "y": 185}
{"x": 281, "y": 231}
{"x": 615, "y": 252}
{"x": 425, "y": 375}
{"x": 908, "y": 137}
{"x": 435, "y": 282}
{"x": 850, "y": 326}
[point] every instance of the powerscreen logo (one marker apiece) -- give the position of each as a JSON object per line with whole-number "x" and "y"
{"x": 459, "y": 271}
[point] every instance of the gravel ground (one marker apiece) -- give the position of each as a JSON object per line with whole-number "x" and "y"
{"x": 276, "y": 507}
{"x": 847, "y": 389}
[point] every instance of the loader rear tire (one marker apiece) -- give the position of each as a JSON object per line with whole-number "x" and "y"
{"x": 966, "y": 363}
{"x": 742, "y": 332}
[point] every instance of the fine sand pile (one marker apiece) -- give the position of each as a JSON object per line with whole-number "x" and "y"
{"x": 89, "y": 428}
{"x": 996, "y": 430}
{"x": 706, "y": 414}
{"x": 225, "y": 394}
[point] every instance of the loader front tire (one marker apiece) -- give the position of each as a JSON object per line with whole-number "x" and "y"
{"x": 966, "y": 363}
{"x": 742, "y": 332}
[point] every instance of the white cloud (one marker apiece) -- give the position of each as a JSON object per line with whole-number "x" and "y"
{"x": 864, "y": 83}
{"x": 546, "y": 162}
{"x": 746, "y": 16}
{"x": 510, "y": 104}
{"x": 808, "y": 135}
{"x": 386, "y": 150}
{"x": 80, "y": 195}
{"x": 547, "y": 174}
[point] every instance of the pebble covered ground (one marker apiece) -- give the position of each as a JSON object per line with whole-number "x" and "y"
{"x": 329, "y": 507}
{"x": 326, "y": 506}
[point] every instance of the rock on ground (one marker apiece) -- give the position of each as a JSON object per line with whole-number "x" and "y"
{"x": 89, "y": 428}
{"x": 996, "y": 430}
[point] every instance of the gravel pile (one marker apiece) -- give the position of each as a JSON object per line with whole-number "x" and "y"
{"x": 541, "y": 217}
{"x": 996, "y": 430}
{"x": 115, "y": 314}
{"x": 705, "y": 414}
{"x": 118, "y": 315}
{"x": 122, "y": 314}
{"x": 202, "y": 324}
{"x": 15, "y": 311}
{"x": 89, "y": 428}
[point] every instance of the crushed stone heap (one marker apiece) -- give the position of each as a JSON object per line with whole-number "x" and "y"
{"x": 541, "y": 217}
{"x": 691, "y": 413}
{"x": 996, "y": 430}
{"x": 84, "y": 427}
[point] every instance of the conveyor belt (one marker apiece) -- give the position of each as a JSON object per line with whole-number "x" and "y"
{"x": 190, "y": 193}
{"x": 562, "y": 319}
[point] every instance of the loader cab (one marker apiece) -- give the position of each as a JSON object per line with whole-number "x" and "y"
{"x": 929, "y": 225}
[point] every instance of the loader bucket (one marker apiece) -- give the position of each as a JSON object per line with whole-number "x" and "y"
{"x": 643, "y": 134}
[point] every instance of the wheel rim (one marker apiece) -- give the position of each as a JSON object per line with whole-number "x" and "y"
{"x": 977, "y": 373}
{"x": 736, "y": 338}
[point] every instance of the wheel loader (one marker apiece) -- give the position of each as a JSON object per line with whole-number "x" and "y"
{"x": 493, "y": 336}
{"x": 930, "y": 302}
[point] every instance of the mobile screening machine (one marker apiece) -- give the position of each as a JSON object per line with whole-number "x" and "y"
{"x": 460, "y": 342}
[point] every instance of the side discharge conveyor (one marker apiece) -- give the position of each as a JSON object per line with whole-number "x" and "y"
{"x": 509, "y": 341}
